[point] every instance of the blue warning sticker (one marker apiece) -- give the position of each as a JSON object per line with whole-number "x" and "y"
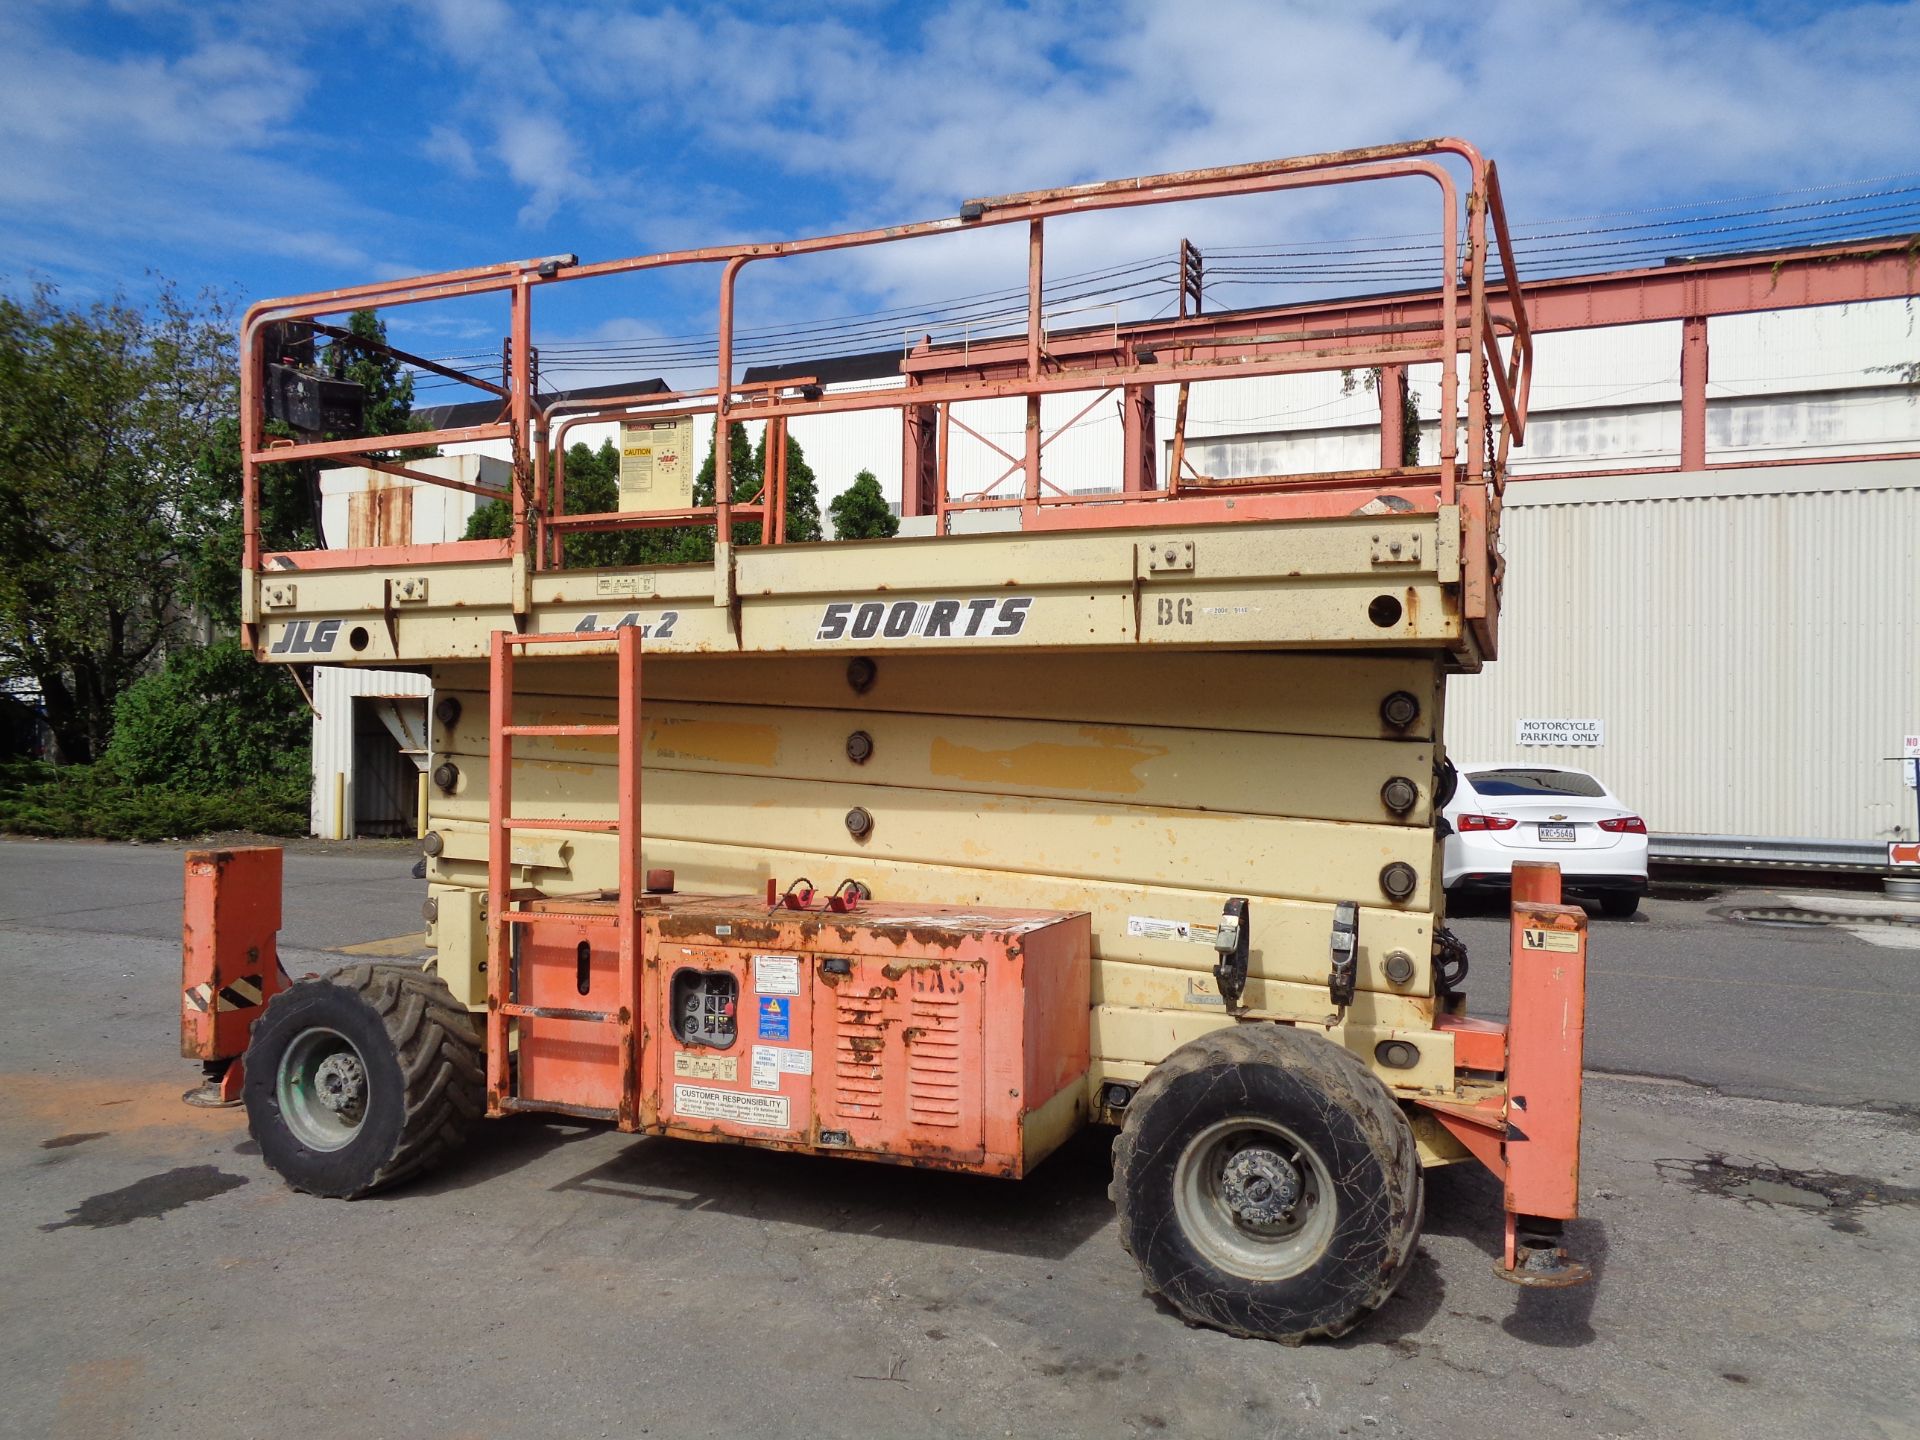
{"x": 776, "y": 1017}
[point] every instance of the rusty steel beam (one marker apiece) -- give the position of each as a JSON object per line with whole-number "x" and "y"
{"x": 1693, "y": 393}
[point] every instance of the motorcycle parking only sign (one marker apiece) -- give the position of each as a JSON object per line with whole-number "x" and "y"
{"x": 1560, "y": 732}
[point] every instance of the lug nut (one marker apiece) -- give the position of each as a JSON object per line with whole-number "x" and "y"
{"x": 1398, "y": 880}
{"x": 1399, "y": 710}
{"x": 859, "y": 747}
{"x": 1398, "y": 967}
{"x": 1399, "y": 794}
{"x": 859, "y": 822}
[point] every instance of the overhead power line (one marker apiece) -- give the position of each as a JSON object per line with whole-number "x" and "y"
{"x": 1544, "y": 249}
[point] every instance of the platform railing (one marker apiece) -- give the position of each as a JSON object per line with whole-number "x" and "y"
{"x": 1453, "y": 321}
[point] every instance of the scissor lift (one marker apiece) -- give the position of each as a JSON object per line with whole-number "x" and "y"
{"x": 1137, "y": 795}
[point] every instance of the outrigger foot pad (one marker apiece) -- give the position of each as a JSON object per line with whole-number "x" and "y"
{"x": 1533, "y": 1256}
{"x": 220, "y": 1090}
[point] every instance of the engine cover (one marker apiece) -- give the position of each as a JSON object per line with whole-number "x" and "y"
{"x": 920, "y": 1034}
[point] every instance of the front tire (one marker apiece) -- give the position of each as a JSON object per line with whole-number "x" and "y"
{"x": 362, "y": 1079}
{"x": 1268, "y": 1185}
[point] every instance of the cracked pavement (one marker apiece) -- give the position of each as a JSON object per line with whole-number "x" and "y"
{"x": 1755, "y": 1255}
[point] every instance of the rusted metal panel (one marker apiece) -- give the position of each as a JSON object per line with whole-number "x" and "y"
{"x": 229, "y": 956}
{"x": 868, "y": 1033}
{"x": 1545, "y": 1043}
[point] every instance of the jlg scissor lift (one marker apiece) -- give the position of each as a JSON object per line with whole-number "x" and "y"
{"x": 1126, "y": 814}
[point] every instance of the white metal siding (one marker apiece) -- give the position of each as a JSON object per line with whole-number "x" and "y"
{"x": 1749, "y": 638}
{"x": 334, "y": 689}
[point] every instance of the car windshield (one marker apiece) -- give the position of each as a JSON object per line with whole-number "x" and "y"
{"x": 1535, "y": 782}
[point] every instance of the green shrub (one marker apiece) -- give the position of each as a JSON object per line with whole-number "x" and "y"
{"x": 97, "y": 802}
{"x": 213, "y": 722}
{"x": 216, "y": 741}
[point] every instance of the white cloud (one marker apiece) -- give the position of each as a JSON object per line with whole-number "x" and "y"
{"x": 448, "y": 147}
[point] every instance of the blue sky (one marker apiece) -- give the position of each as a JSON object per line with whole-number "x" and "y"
{"x": 272, "y": 148}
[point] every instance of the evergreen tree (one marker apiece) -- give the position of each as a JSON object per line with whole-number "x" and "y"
{"x": 861, "y": 512}
{"x": 803, "y": 494}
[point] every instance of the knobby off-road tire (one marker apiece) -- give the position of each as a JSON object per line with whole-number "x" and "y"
{"x": 362, "y": 1079}
{"x": 1268, "y": 1185}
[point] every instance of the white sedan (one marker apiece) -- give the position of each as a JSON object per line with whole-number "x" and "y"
{"x": 1503, "y": 813}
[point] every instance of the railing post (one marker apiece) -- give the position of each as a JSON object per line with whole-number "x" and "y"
{"x": 1036, "y": 241}
{"x": 520, "y": 389}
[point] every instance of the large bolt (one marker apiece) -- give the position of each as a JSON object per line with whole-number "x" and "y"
{"x": 860, "y": 674}
{"x": 447, "y": 711}
{"x": 1399, "y": 794}
{"x": 1398, "y": 880}
{"x": 859, "y": 823}
{"x": 431, "y": 843}
{"x": 446, "y": 775}
{"x": 1398, "y": 967}
{"x": 859, "y": 747}
{"x": 1399, "y": 710}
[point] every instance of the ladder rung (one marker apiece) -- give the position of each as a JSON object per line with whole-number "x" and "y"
{"x": 566, "y": 637}
{"x": 524, "y": 823}
{"x": 560, "y": 730}
{"x": 554, "y": 1012}
{"x": 536, "y": 1107}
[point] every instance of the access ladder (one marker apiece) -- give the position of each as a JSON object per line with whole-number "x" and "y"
{"x": 544, "y": 1053}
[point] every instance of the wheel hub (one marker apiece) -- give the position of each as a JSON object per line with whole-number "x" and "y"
{"x": 340, "y": 1083}
{"x": 1259, "y": 1186}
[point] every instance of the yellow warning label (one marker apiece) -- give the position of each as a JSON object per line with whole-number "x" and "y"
{"x": 1564, "y": 941}
{"x": 656, "y": 464}
{"x": 706, "y": 1067}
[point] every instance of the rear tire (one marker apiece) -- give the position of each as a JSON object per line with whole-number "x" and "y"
{"x": 1268, "y": 1185}
{"x": 1619, "y": 904}
{"x": 362, "y": 1079}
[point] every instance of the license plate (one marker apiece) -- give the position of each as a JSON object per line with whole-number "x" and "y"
{"x": 1556, "y": 834}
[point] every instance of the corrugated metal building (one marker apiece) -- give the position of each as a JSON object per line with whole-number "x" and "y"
{"x": 1746, "y": 639}
{"x": 1746, "y": 628}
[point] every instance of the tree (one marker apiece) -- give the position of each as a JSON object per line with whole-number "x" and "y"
{"x": 386, "y": 384}
{"x": 861, "y": 512}
{"x": 593, "y": 488}
{"x": 103, "y": 413}
{"x": 803, "y": 494}
{"x": 214, "y": 720}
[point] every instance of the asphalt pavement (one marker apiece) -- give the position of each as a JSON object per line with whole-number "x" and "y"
{"x": 1754, "y": 1255}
